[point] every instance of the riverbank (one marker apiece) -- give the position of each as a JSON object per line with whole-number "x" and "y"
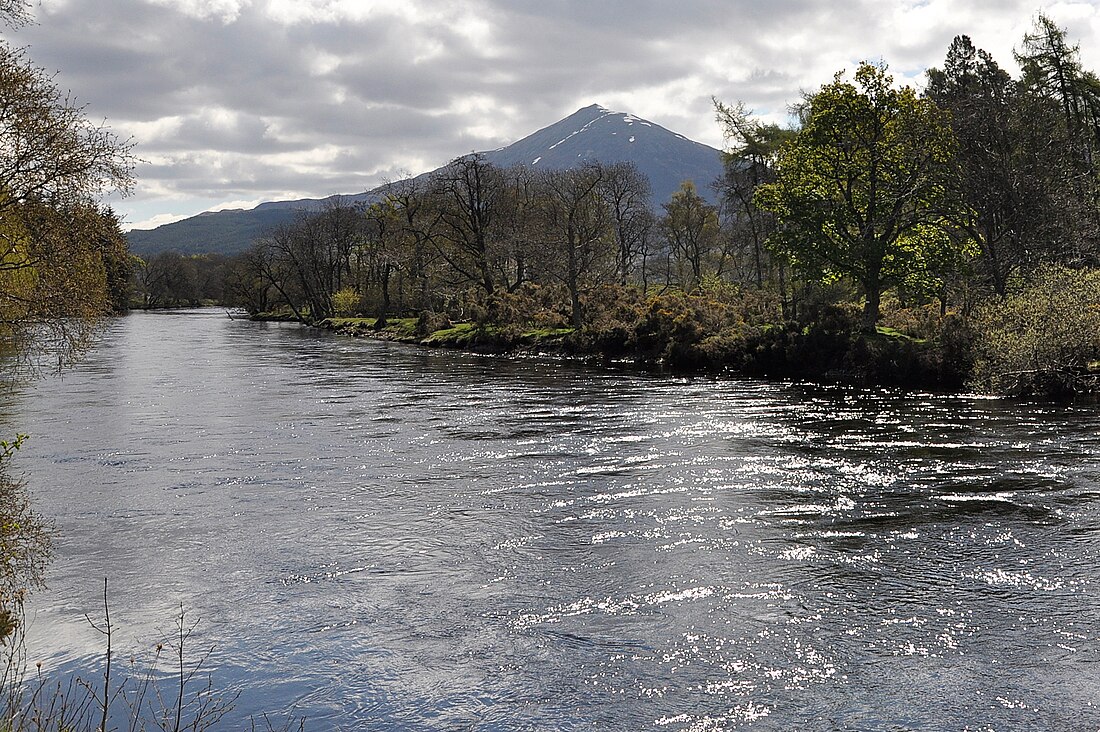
{"x": 833, "y": 349}
{"x": 1037, "y": 341}
{"x": 470, "y": 336}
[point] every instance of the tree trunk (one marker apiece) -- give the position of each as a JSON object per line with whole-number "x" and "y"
{"x": 870, "y": 309}
{"x": 573, "y": 282}
{"x": 381, "y": 321}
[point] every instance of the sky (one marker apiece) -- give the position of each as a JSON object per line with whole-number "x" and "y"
{"x": 234, "y": 102}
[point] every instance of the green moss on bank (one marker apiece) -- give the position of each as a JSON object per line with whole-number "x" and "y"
{"x": 888, "y": 332}
{"x": 472, "y": 336}
{"x": 394, "y": 329}
{"x": 547, "y": 334}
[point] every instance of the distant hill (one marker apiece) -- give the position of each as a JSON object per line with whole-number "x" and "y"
{"x": 228, "y": 232}
{"x": 593, "y": 133}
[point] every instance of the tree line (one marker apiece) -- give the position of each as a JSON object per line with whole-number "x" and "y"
{"x": 882, "y": 209}
{"x": 466, "y": 236}
{"x": 953, "y": 193}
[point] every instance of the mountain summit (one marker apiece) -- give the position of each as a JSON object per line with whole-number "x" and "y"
{"x": 597, "y": 133}
{"x": 593, "y": 133}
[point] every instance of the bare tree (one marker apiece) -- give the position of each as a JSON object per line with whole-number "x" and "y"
{"x": 578, "y": 232}
{"x": 468, "y": 193}
{"x": 627, "y": 192}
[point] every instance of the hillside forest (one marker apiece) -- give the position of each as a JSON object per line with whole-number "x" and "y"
{"x": 942, "y": 237}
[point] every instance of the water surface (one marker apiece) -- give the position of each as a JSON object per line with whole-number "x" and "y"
{"x": 384, "y": 537}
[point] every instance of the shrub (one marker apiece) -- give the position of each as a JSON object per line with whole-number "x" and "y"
{"x": 1041, "y": 339}
{"x": 709, "y": 329}
{"x": 920, "y": 321}
{"x": 530, "y": 305}
{"x": 346, "y": 302}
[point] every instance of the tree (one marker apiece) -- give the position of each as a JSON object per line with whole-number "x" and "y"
{"x": 299, "y": 267}
{"x": 382, "y": 251}
{"x": 15, "y": 13}
{"x": 51, "y": 151}
{"x": 468, "y": 193}
{"x": 1052, "y": 67}
{"x": 419, "y": 221}
{"x": 1012, "y": 172}
{"x": 245, "y": 284}
{"x": 62, "y": 270}
{"x": 577, "y": 226}
{"x": 1052, "y": 73}
{"x": 864, "y": 189}
{"x": 519, "y": 213}
{"x": 59, "y": 253}
{"x": 118, "y": 262}
{"x": 690, "y": 226}
{"x": 169, "y": 280}
{"x": 62, "y": 264}
{"x": 626, "y": 190}
{"x": 981, "y": 99}
{"x": 750, "y": 163}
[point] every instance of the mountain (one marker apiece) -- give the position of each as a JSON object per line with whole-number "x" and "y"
{"x": 597, "y": 133}
{"x": 593, "y": 133}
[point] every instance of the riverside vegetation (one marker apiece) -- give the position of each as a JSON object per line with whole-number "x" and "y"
{"x": 945, "y": 238}
{"x": 64, "y": 267}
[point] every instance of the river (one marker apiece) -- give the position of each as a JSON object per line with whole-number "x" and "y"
{"x": 377, "y": 536}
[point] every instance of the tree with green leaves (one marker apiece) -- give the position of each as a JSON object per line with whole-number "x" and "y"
{"x": 1051, "y": 67}
{"x": 1052, "y": 73}
{"x": 58, "y": 249}
{"x": 1011, "y": 169}
{"x": 62, "y": 261}
{"x": 753, "y": 149}
{"x": 865, "y": 189}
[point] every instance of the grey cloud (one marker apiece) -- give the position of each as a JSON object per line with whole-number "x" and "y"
{"x": 372, "y": 89}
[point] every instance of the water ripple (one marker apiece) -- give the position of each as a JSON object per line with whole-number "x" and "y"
{"x": 387, "y": 537}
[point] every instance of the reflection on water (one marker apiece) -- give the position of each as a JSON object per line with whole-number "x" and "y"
{"x": 389, "y": 537}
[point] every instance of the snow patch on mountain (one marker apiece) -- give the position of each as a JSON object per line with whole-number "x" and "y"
{"x": 586, "y": 127}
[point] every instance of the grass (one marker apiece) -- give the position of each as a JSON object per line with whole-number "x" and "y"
{"x": 396, "y": 328}
{"x": 884, "y": 330}
{"x": 457, "y": 335}
{"x": 400, "y": 328}
{"x": 462, "y": 335}
{"x": 546, "y": 334}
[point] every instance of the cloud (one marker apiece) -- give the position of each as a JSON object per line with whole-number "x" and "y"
{"x": 251, "y": 100}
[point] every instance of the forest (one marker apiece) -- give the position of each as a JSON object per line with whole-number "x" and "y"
{"x": 945, "y": 237}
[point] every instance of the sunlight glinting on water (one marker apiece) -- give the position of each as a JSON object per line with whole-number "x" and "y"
{"x": 389, "y": 537}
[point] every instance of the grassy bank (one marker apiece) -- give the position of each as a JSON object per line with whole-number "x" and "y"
{"x": 705, "y": 333}
{"x": 482, "y": 338}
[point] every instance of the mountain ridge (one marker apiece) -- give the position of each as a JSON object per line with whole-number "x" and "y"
{"x": 592, "y": 133}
